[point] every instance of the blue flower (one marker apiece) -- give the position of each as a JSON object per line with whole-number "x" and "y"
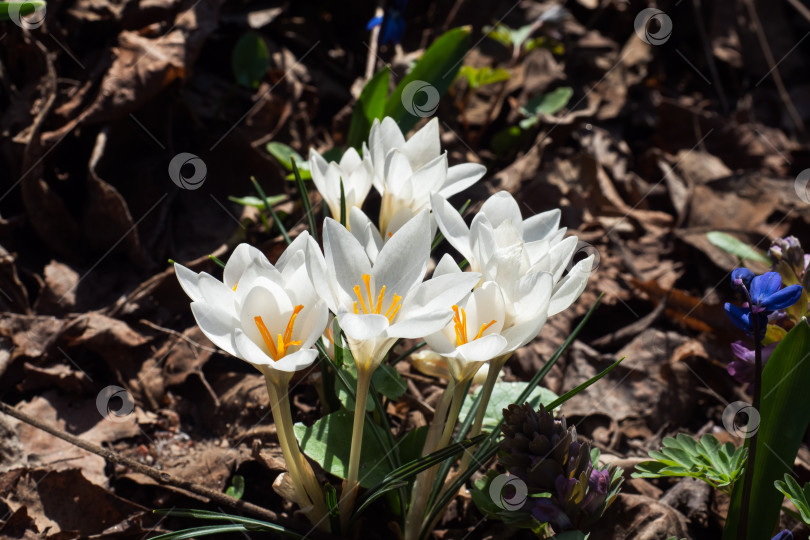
{"x": 765, "y": 296}
{"x": 393, "y": 23}
{"x": 784, "y": 535}
{"x": 741, "y": 277}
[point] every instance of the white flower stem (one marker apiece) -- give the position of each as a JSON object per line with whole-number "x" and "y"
{"x": 495, "y": 366}
{"x": 306, "y": 486}
{"x": 455, "y": 407}
{"x": 351, "y": 486}
{"x": 424, "y": 480}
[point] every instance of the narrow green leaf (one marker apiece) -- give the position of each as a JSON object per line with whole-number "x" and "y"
{"x": 196, "y": 532}
{"x": 505, "y": 393}
{"x": 249, "y": 60}
{"x": 370, "y": 105}
{"x": 571, "y": 393}
{"x": 332, "y": 505}
{"x": 784, "y": 415}
{"x": 432, "y": 76}
{"x": 269, "y": 208}
{"x": 22, "y": 8}
{"x": 256, "y": 202}
{"x": 344, "y": 217}
{"x": 219, "y": 263}
{"x": 302, "y": 190}
{"x": 736, "y": 247}
{"x": 402, "y": 475}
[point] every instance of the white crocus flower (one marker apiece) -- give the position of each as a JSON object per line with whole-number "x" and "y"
{"x": 355, "y": 172}
{"x": 406, "y": 173}
{"x": 505, "y": 248}
{"x": 473, "y": 337}
{"x": 527, "y": 259}
{"x": 269, "y": 316}
{"x": 380, "y": 302}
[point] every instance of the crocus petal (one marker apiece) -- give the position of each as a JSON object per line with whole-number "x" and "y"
{"x": 424, "y": 145}
{"x": 316, "y": 266}
{"x": 452, "y": 225}
{"x": 460, "y": 177}
{"x": 437, "y": 295}
{"x": 366, "y": 233}
{"x": 189, "y": 281}
{"x": 571, "y": 286}
{"x": 217, "y": 325}
{"x": 447, "y": 265}
{"x": 350, "y": 160}
{"x": 362, "y": 327}
{"x": 215, "y": 293}
{"x": 299, "y": 245}
{"x": 239, "y": 260}
{"x": 540, "y": 226}
{"x": 346, "y": 260}
{"x": 402, "y": 261}
{"x": 249, "y": 351}
{"x": 522, "y": 333}
{"x": 502, "y": 207}
{"x": 438, "y": 343}
{"x": 783, "y": 299}
{"x": 419, "y": 326}
{"x": 296, "y": 361}
{"x": 482, "y": 349}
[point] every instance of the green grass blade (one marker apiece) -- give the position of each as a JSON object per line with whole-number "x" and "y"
{"x": 269, "y": 208}
{"x": 784, "y": 416}
{"x": 302, "y": 189}
{"x": 571, "y": 393}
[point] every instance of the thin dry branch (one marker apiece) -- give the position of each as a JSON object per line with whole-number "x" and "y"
{"x": 159, "y": 476}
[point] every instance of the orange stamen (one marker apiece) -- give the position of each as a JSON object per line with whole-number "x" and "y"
{"x": 394, "y": 309}
{"x": 279, "y": 351}
{"x": 234, "y": 287}
{"x": 373, "y": 308}
{"x": 460, "y": 326}
{"x": 379, "y": 300}
{"x": 483, "y": 329}
{"x": 266, "y": 337}
{"x": 359, "y": 294}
